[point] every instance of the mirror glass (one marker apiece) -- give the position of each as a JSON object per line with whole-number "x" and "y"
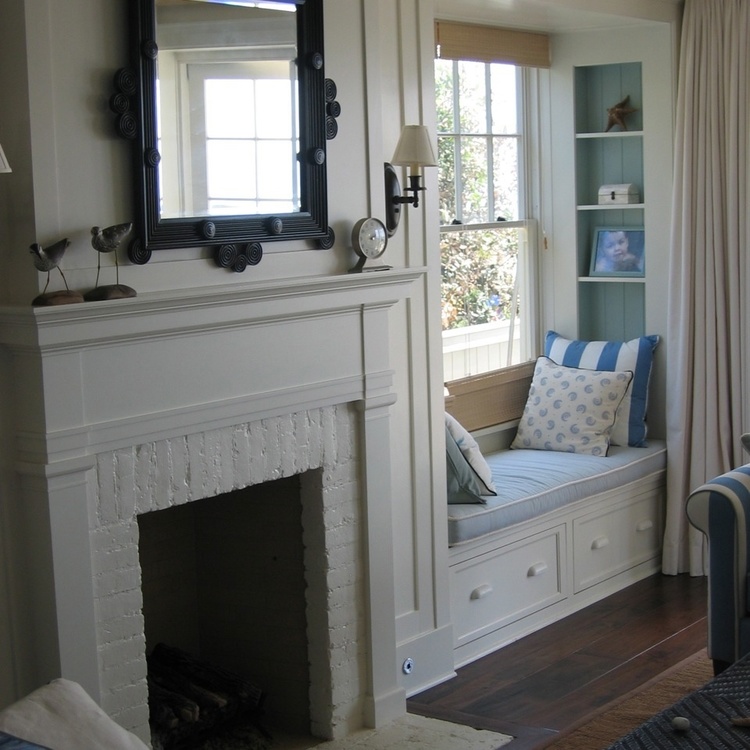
{"x": 227, "y": 108}
{"x": 232, "y": 116}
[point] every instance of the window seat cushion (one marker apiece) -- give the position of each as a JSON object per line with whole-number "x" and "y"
{"x": 531, "y": 482}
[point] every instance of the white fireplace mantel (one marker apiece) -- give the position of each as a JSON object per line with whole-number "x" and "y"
{"x": 157, "y": 364}
{"x": 94, "y": 378}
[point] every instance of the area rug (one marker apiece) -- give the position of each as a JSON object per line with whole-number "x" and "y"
{"x": 419, "y": 733}
{"x": 620, "y": 717}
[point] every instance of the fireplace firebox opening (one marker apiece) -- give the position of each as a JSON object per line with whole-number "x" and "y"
{"x": 223, "y": 579}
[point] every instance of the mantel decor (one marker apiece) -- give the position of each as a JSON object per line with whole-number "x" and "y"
{"x": 173, "y": 175}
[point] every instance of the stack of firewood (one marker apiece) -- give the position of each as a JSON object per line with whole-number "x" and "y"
{"x": 189, "y": 699}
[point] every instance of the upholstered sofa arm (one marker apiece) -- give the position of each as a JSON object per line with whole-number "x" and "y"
{"x": 62, "y": 716}
{"x": 721, "y": 510}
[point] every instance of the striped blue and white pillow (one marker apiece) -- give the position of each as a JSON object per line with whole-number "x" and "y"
{"x": 636, "y": 355}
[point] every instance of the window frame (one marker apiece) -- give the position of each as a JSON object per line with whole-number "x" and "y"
{"x": 529, "y": 132}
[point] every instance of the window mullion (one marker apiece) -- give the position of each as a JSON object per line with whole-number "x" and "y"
{"x": 488, "y": 144}
{"x": 523, "y": 127}
{"x": 457, "y": 161}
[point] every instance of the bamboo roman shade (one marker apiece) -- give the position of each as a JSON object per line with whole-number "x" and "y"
{"x": 490, "y": 44}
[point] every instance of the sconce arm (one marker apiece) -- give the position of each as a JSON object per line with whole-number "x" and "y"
{"x": 394, "y": 200}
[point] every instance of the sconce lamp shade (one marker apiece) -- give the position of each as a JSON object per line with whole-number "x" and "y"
{"x": 414, "y": 149}
{"x": 4, "y": 166}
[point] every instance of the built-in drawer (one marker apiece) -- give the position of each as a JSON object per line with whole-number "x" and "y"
{"x": 608, "y": 542}
{"x": 501, "y": 586}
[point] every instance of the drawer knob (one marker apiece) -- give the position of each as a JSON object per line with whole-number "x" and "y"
{"x": 645, "y": 525}
{"x": 481, "y": 591}
{"x": 536, "y": 569}
{"x": 599, "y": 542}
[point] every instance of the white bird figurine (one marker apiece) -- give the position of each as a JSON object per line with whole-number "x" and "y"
{"x": 45, "y": 259}
{"x": 107, "y": 241}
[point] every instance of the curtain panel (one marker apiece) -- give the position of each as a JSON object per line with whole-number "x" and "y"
{"x": 708, "y": 403}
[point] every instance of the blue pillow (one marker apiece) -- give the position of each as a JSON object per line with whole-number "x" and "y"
{"x": 9, "y": 742}
{"x": 636, "y": 355}
{"x": 464, "y": 484}
{"x": 471, "y": 452}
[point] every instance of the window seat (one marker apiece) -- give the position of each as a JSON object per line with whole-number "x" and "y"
{"x": 564, "y": 531}
{"x": 531, "y": 483}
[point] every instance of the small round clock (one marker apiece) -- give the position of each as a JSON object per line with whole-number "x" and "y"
{"x": 370, "y": 239}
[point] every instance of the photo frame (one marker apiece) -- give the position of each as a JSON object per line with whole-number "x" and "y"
{"x": 618, "y": 251}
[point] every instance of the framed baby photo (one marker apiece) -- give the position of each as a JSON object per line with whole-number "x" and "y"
{"x": 618, "y": 251}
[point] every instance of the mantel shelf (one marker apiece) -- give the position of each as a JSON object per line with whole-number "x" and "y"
{"x": 182, "y": 312}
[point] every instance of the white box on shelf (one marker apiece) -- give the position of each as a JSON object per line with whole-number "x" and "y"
{"x": 624, "y": 193}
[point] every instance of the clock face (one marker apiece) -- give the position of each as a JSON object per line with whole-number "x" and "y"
{"x": 369, "y": 237}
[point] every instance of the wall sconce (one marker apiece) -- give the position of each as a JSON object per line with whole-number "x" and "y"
{"x": 4, "y": 166}
{"x": 414, "y": 150}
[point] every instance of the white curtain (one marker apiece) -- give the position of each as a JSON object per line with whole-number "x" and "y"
{"x": 708, "y": 400}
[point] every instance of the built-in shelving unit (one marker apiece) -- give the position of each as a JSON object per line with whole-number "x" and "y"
{"x": 608, "y": 307}
{"x": 591, "y": 72}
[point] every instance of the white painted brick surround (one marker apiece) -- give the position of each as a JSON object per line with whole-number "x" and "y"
{"x": 162, "y": 474}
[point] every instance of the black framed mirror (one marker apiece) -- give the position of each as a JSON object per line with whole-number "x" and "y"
{"x": 229, "y": 80}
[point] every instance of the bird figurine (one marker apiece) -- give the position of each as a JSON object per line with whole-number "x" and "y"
{"x": 45, "y": 259}
{"x": 49, "y": 258}
{"x": 107, "y": 241}
{"x": 618, "y": 113}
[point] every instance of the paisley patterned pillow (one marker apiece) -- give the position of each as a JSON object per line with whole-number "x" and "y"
{"x": 570, "y": 409}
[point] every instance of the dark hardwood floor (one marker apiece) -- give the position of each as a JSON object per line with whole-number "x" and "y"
{"x": 552, "y": 680}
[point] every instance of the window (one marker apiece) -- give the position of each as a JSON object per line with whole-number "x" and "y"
{"x": 486, "y": 237}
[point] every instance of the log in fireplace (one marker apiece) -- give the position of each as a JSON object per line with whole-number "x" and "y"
{"x": 191, "y": 700}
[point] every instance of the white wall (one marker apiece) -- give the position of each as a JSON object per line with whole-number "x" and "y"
{"x": 70, "y": 172}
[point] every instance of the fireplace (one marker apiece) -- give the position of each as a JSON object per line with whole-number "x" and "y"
{"x": 145, "y": 480}
{"x": 224, "y": 582}
{"x": 164, "y": 401}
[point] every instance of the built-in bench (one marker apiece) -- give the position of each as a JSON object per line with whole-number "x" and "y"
{"x": 564, "y": 530}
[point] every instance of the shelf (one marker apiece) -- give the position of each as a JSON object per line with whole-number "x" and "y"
{"x": 612, "y": 134}
{"x": 613, "y": 279}
{"x": 610, "y": 206}
{"x": 609, "y": 307}
{"x": 607, "y": 161}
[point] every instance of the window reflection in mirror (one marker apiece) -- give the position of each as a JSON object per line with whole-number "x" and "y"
{"x": 227, "y": 108}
